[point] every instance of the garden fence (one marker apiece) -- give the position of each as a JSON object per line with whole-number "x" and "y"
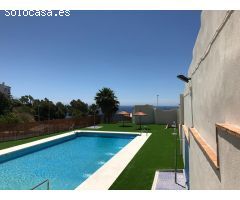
{"x": 27, "y": 130}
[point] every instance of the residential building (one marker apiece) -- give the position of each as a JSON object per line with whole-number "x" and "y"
{"x": 5, "y": 89}
{"x": 209, "y": 108}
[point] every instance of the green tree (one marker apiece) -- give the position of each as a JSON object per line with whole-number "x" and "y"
{"x": 93, "y": 109}
{"x": 27, "y": 100}
{"x": 61, "y": 111}
{"x": 5, "y": 104}
{"x": 45, "y": 108}
{"x": 16, "y": 103}
{"x": 36, "y": 107}
{"x": 9, "y": 118}
{"x": 108, "y": 102}
{"x": 78, "y": 108}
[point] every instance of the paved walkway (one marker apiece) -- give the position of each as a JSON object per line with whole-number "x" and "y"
{"x": 165, "y": 180}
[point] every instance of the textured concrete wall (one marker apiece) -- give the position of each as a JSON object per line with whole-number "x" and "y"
{"x": 202, "y": 175}
{"x": 181, "y": 122}
{"x": 148, "y": 109}
{"x": 215, "y": 99}
{"x": 187, "y": 110}
{"x": 166, "y": 116}
{"x": 216, "y": 90}
{"x": 155, "y": 116}
{"x": 229, "y": 153}
{"x": 181, "y": 110}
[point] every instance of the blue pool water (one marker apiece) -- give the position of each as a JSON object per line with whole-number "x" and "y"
{"x": 66, "y": 164}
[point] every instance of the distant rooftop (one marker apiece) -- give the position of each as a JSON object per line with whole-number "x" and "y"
{"x": 4, "y": 85}
{"x": 5, "y": 89}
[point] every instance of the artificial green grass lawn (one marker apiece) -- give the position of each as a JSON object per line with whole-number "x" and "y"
{"x": 4, "y": 145}
{"x": 157, "y": 153}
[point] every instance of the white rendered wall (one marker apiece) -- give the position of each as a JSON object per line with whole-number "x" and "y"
{"x": 148, "y": 109}
{"x": 155, "y": 116}
{"x": 166, "y": 116}
{"x": 215, "y": 99}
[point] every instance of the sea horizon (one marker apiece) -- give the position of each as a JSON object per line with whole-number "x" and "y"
{"x": 129, "y": 108}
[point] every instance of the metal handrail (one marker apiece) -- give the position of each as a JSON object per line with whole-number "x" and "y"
{"x": 46, "y": 181}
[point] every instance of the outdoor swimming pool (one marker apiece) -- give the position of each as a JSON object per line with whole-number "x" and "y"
{"x": 65, "y": 162}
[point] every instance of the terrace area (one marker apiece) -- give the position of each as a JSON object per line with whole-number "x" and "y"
{"x": 158, "y": 153}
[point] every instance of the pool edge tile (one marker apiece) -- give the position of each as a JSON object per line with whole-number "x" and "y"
{"x": 105, "y": 176}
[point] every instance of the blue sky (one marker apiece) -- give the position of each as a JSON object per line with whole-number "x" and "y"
{"x": 136, "y": 53}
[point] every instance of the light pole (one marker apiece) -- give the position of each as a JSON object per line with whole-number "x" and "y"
{"x": 186, "y": 80}
{"x": 175, "y": 174}
{"x": 157, "y": 100}
{"x": 176, "y": 156}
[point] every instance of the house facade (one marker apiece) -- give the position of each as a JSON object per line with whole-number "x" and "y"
{"x": 209, "y": 107}
{"x": 5, "y": 89}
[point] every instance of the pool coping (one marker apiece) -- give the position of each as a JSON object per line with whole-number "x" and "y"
{"x": 102, "y": 178}
{"x": 34, "y": 143}
{"x": 51, "y": 138}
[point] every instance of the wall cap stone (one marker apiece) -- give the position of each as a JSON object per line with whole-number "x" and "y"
{"x": 186, "y": 132}
{"x": 229, "y": 128}
{"x": 207, "y": 150}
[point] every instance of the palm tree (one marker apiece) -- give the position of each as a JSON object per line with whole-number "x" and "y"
{"x": 108, "y": 102}
{"x": 93, "y": 109}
